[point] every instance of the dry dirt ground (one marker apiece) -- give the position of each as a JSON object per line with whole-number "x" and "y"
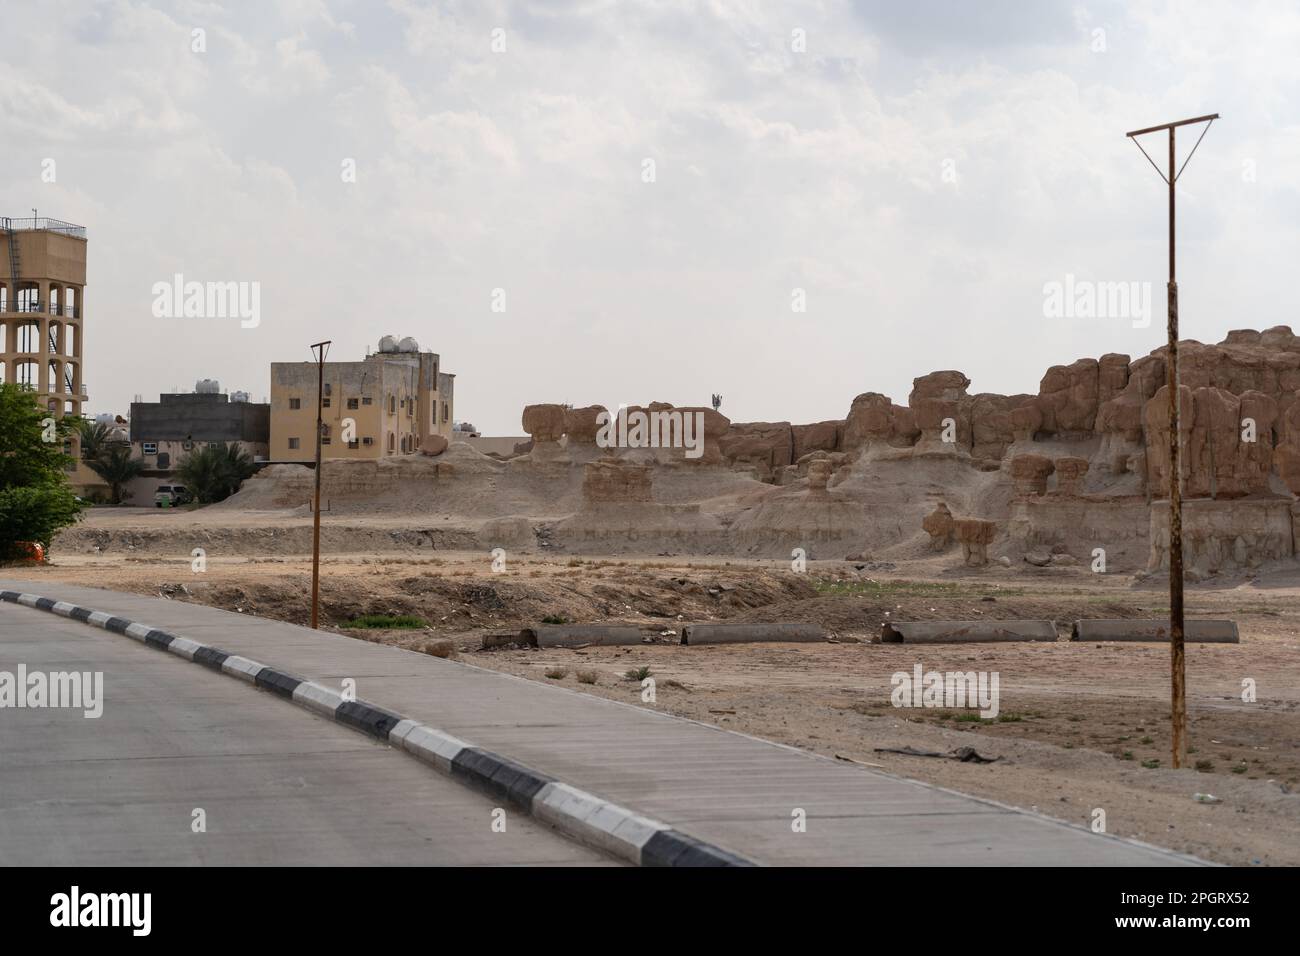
{"x": 1081, "y": 726}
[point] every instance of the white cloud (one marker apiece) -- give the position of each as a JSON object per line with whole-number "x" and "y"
{"x": 823, "y": 169}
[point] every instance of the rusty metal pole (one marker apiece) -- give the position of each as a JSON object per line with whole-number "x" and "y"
{"x": 1177, "y": 656}
{"x": 1178, "y": 673}
{"x": 319, "y": 350}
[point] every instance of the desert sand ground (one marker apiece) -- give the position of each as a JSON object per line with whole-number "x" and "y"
{"x": 1081, "y": 726}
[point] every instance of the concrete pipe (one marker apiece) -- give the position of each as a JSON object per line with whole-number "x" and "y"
{"x": 596, "y": 635}
{"x": 966, "y": 632}
{"x": 751, "y": 633}
{"x": 1194, "y": 632}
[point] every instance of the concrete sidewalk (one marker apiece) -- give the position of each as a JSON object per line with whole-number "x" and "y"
{"x": 734, "y": 791}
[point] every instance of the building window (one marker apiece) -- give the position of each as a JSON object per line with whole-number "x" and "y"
{"x": 328, "y": 389}
{"x": 354, "y": 444}
{"x": 293, "y": 444}
{"x": 214, "y": 444}
{"x": 367, "y": 441}
{"x": 295, "y": 404}
{"x": 366, "y": 400}
{"x": 391, "y": 441}
{"x": 325, "y": 440}
{"x": 353, "y": 403}
{"x": 325, "y": 403}
{"x": 151, "y": 448}
{"x": 445, "y": 414}
{"x": 392, "y": 408}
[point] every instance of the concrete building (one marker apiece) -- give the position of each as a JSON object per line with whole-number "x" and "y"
{"x": 42, "y": 307}
{"x": 165, "y": 431}
{"x": 393, "y": 402}
{"x": 42, "y": 301}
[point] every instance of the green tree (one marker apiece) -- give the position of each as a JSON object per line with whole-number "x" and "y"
{"x": 215, "y": 473}
{"x": 35, "y": 498}
{"x": 94, "y": 438}
{"x": 116, "y": 466}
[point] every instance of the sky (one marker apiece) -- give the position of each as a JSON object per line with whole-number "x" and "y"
{"x": 600, "y": 202}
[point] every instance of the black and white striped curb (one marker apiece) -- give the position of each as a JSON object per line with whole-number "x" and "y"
{"x": 575, "y": 812}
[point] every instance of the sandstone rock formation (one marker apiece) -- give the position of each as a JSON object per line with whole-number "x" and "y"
{"x": 545, "y": 423}
{"x": 607, "y": 480}
{"x": 767, "y": 447}
{"x": 1069, "y": 475}
{"x": 580, "y": 424}
{"x": 1029, "y": 474}
{"x": 937, "y": 402}
{"x": 433, "y": 445}
{"x": 819, "y": 473}
{"x": 938, "y": 524}
{"x": 975, "y": 535}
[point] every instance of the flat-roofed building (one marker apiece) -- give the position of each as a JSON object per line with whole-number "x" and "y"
{"x": 392, "y": 402}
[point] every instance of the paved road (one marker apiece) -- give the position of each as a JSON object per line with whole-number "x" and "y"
{"x": 734, "y": 791}
{"x": 278, "y": 784}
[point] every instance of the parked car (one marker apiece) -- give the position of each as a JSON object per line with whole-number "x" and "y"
{"x": 169, "y": 496}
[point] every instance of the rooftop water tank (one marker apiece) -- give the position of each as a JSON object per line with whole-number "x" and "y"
{"x": 239, "y": 396}
{"x": 408, "y": 344}
{"x": 207, "y": 386}
{"x": 388, "y": 344}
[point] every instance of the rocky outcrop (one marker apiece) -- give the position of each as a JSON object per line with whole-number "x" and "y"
{"x": 1067, "y": 397}
{"x": 545, "y": 423}
{"x": 1217, "y": 460}
{"x": 821, "y": 436}
{"x": 975, "y": 535}
{"x": 1069, "y": 475}
{"x": 767, "y": 447}
{"x": 1029, "y": 474}
{"x": 581, "y": 425}
{"x": 433, "y": 445}
{"x": 939, "y": 524}
{"x": 615, "y": 480}
{"x": 819, "y": 473}
{"x": 939, "y": 404}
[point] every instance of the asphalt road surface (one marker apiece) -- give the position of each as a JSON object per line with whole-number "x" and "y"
{"x": 275, "y": 784}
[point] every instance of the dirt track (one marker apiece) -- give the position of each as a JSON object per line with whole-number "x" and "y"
{"x": 1081, "y": 726}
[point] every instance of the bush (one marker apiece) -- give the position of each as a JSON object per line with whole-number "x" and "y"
{"x": 35, "y": 499}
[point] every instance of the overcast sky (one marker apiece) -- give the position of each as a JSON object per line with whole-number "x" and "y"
{"x": 919, "y": 169}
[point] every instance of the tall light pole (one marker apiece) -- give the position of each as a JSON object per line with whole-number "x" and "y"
{"x": 318, "y": 351}
{"x": 1178, "y": 695}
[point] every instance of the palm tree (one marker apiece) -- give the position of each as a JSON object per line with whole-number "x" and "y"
{"x": 214, "y": 473}
{"x": 95, "y": 438}
{"x": 116, "y": 466}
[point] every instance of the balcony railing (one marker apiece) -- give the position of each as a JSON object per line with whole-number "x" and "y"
{"x": 67, "y": 311}
{"x": 43, "y": 224}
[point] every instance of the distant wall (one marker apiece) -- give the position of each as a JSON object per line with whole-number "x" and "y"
{"x": 489, "y": 446}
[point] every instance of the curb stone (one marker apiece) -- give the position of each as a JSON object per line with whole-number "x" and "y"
{"x": 578, "y": 814}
